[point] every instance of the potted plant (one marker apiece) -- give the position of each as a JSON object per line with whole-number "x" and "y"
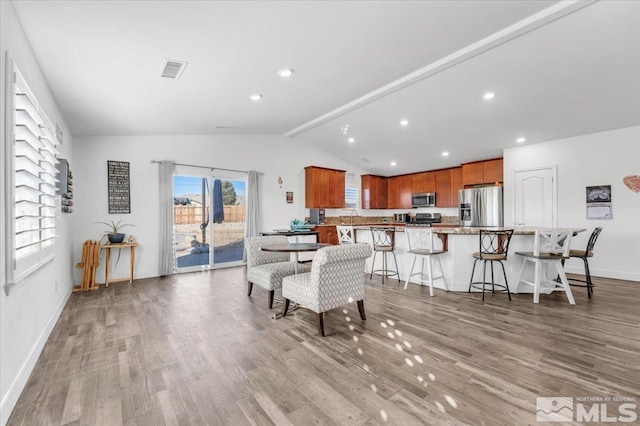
{"x": 113, "y": 233}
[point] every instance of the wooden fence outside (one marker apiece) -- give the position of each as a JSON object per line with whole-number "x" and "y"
{"x": 193, "y": 214}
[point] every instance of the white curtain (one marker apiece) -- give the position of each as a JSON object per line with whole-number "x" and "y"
{"x": 253, "y": 207}
{"x": 167, "y": 255}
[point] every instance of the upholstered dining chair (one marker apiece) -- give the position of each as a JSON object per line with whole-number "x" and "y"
{"x": 267, "y": 269}
{"x": 336, "y": 279}
{"x": 550, "y": 248}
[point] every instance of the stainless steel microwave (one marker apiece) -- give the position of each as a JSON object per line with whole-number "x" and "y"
{"x": 427, "y": 199}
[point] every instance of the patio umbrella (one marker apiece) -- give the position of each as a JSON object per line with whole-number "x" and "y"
{"x": 218, "y": 209}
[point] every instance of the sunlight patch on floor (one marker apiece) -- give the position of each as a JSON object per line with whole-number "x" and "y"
{"x": 452, "y": 402}
{"x": 384, "y": 416}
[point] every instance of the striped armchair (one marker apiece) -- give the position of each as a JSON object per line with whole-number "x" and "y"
{"x": 336, "y": 278}
{"x": 267, "y": 269}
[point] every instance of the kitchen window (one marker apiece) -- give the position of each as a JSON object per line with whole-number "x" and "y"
{"x": 30, "y": 184}
{"x": 351, "y": 191}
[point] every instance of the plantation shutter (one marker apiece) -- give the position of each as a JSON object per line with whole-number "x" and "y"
{"x": 34, "y": 183}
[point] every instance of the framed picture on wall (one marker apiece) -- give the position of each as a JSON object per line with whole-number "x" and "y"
{"x": 599, "y": 206}
{"x": 289, "y": 197}
{"x": 118, "y": 187}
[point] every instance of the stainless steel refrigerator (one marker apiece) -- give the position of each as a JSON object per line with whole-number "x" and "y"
{"x": 481, "y": 206}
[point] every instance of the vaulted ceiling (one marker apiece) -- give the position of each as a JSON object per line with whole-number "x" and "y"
{"x": 557, "y": 69}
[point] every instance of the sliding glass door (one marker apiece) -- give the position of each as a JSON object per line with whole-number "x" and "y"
{"x": 191, "y": 218}
{"x": 209, "y": 220}
{"x": 229, "y": 217}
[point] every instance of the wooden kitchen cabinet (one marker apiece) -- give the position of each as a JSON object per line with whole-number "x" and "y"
{"x": 336, "y": 189}
{"x": 493, "y": 171}
{"x": 374, "y": 192}
{"x": 417, "y": 183}
{"x": 429, "y": 182}
{"x": 456, "y": 185}
{"x": 405, "y": 189}
{"x": 327, "y": 234}
{"x": 482, "y": 172}
{"x": 393, "y": 192}
{"x": 324, "y": 188}
{"x": 473, "y": 173}
{"x": 443, "y": 188}
{"x": 423, "y": 182}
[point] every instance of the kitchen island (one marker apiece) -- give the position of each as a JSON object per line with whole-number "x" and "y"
{"x": 461, "y": 242}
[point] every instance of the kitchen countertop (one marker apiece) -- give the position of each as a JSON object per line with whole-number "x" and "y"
{"x": 465, "y": 230}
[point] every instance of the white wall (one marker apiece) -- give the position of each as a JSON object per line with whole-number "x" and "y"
{"x": 273, "y": 155}
{"x": 595, "y": 159}
{"x": 29, "y": 313}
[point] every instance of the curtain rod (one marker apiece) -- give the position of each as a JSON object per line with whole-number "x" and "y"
{"x": 206, "y": 167}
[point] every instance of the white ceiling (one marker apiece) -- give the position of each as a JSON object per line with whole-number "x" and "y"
{"x": 578, "y": 74}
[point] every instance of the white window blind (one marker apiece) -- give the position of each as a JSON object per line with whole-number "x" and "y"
{"x": 33, "y": 187}
{"x": 351, "y": 191}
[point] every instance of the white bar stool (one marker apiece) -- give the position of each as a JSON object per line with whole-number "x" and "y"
{"x": 550, "y": 248}
{"x": 346, "y": 234}
{"x": 421, "y": 244}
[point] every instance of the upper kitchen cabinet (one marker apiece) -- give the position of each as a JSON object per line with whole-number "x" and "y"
{"x": 374, "y": 192}
{"x": 443, "y": 188}
{"x": 324, "y": 188}
{"x": 405, "y": 190}
{"x": 423, "y": 182}
{"x": 482, "y": 172}
{"x": 456, "y": 185}
{"x": 393, "y": 192}
{"x": 493, "y": 171}
{"x": 473, "y": 173}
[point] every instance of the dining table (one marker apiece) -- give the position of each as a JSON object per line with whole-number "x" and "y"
{"x": 295, "y": 249}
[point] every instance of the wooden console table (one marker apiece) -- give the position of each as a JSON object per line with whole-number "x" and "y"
{"x": 107, "y": 248}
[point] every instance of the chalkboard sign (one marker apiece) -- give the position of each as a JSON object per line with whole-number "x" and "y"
{"x": 118, "y": 186}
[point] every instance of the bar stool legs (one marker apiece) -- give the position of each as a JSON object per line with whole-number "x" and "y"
{"x": 385, "y": 272}
{"x": 383, "y": 239}
{"x": 493, "y": 247}
{"x": 493, "y": 281}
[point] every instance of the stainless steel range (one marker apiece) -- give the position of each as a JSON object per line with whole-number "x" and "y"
{"x": 425, "y": 219}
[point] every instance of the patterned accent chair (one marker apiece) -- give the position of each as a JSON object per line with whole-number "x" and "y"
{"x": 336, "y": 278}
{"x": 267, "y": 269}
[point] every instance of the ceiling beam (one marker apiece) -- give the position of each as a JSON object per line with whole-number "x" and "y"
{"x": 550, "y": 14}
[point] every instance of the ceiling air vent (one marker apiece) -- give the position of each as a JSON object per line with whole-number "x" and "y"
{"x": 172, "y": 69}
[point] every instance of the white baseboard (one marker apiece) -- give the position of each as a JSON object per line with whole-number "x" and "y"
{"x": 605, "y": 273}
{"x": 13, "y": 393}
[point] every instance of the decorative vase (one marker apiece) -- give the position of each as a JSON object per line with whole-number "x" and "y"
{"x": 115, "y": 238}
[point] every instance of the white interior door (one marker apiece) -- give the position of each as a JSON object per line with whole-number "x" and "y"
{"x": 535, "y": 197}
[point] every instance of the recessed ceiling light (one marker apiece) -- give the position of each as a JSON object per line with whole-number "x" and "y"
{"x": 255, "y": 97}
{"x": 489, "y": 95}
{"x": 351, "y": 140}
{"x": 445, "y": 153}
{"x": 393, "y": 163}
{"x": 404, "y": 122}
{"x": 520, "y": 140}
{"x": 285, "y": 72}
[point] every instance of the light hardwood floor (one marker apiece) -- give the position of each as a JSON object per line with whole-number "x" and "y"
{"x": 194, "y": 349}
